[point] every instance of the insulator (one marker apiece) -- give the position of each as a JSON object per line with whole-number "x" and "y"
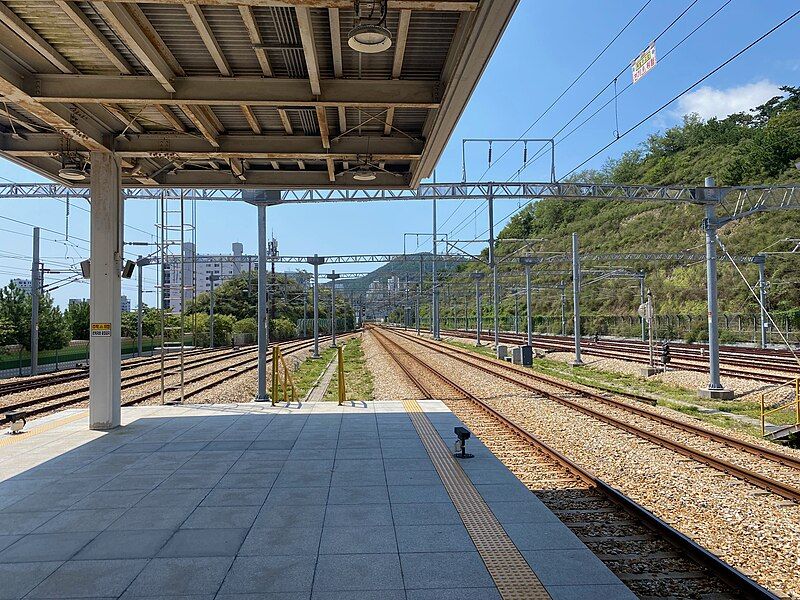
{"x": 525, "y": 154}
{"x": 490, "y": 153}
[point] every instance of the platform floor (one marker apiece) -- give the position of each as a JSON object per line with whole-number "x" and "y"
{"x": 249, "y": 501}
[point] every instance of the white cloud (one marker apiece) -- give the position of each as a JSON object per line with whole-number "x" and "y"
{"x": 710, "y": 102}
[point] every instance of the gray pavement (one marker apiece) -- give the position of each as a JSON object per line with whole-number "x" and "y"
{"x": 249, "y": 501}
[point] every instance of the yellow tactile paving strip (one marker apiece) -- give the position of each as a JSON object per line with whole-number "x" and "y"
{"x": 511, "y": 573}
{"x": 9, "y": 439}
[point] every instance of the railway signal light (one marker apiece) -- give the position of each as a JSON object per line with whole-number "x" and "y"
{"x": 665, "y": 354}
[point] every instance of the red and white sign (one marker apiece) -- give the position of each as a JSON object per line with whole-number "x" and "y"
{"x": 644, "y": 62}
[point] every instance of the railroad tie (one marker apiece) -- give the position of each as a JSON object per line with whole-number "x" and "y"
{"x": 514, "y": 578}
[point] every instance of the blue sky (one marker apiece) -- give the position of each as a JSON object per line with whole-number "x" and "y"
{"x": 546, "y": 45}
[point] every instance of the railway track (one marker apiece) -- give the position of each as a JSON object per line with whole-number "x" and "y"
{"x": 66, "y": 398}
{"x": 652, "y": 558}
{"x": 769, "y": 469}
{"x": 14, "y": 387}
{"x": 634, "y": 353}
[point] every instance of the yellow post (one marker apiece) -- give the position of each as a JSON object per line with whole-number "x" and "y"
{"x": 274, "y": 374}
{"x": 342, "y": 392}
{"x": 763, "y": 430}
{"x": 797, "y": 399}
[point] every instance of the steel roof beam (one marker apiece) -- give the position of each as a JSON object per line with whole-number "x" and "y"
{"x": 268, "y": 147}
{"x": 282, "y": 179}
{"x": 397, "y": 63}
{"x": 209, "y": 41}
{"x": 125, "y": 26}
{"x": 422, "y": 5}
{"x": 249, "y": 18}
{"x": 33, "y": 39}
{"x": 95, "y": 35}
{"x": 233, "y": 91}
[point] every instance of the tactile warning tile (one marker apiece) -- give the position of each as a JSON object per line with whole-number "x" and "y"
{"x": 511, "y": 573}
{"x": 19, "y": 437}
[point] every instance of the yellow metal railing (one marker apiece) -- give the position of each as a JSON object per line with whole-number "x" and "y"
{"x": 281, "y": 386}
{"x": 340, "y": 373}
{"x": 785, "y": 397}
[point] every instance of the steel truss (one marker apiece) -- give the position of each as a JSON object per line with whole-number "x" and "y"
{"x": 732, "y": 202}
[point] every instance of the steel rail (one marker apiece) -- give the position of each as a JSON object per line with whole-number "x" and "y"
{"x": 760, "y": 451}
{"x": 299, "y": 345}
{"x": 560, "y": 346}
{"x": 695, "y": 551}
{"x": 16, "y": 387}
{"x": 784, "y": 490}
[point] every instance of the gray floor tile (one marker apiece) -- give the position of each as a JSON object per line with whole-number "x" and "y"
{"x": 144, "y": 517}
{"x": 291, "y": 516}
{"x": 542, "y": 536}
{"x": 303, "y": 479}
{"x": 266, "y": 574}
{"x": 203, "y": 542}
{"x": 362, "y": 595}
{"x": 7, "y": 540}
{"x": 17, "y": 579}
{"x": 89, "y": 579}
{"x": 297, "y": 496}
{"x": 110, "y": 499}
{"x": 180, "y": 576}
{"x": 281, "y": 541}
{"x": 142, "y": 481}
{"x": 425, "y": 513}
{"x": 568, "y": 567}
{"x": 483, "y": 593}
{"x": 434, "y": 538}
{"x": 367, "y": 477}
{"x": 221, "y": 517}
{"x": 174, "y": 498}
{"x": 248, "y": 480}
{"x": 191, "y": 479}
{"x": 22, "y": 523}
{"x": 373, "y": 494}
{"x": 449, "y": 570}
{"x": 532, "y": 511}
{"x": 360, "y": 539}
{"x": 417, "y": 477}
{"x": 267, "y": 596}
{"x": 81, "y": 520}
{"x": 46, "y": 547}
{"x": 144, "y": 543}
{"x": 235, "y": 497}
{"x": 505, "y": 492}
{"x": 401, "y": 494}
{"x": 257, "y": 462}
{"x": 345, "y": 515}
{"x": 408, "y": 464}
{"x": 343, "y": 572}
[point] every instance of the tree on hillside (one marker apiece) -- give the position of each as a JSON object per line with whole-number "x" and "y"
{"x": 77, "y": 317}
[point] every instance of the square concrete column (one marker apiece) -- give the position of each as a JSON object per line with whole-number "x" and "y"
{"x": 104, "y": 303}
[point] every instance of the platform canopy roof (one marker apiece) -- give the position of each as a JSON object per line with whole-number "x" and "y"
{"x": 231, "y": 93}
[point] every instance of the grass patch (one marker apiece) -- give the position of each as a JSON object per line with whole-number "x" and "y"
{"x": 667, "y": 395}
{"x": 310, "y": 370}
{"x": 357, "y": 378}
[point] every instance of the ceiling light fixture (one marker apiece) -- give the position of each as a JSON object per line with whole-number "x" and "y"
{"x": 71, "y": 169}
{"x": 370, "y": 35}
{"x": 363, "y": 173}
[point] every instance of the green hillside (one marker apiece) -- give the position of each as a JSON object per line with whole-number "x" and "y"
{"x": 761, "y": 146}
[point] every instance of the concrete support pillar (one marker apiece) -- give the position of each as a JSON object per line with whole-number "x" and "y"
{"x": 263, "y": 326}
{"x": 316, "y": 261}
{"x": 106, "y": 241}
{"x": 528, "y": 311}
{"x": 714, "y": 389}
{"x": 139, "y": 306}
{"x": 493, "y": 267}
{"x": 576, "y": 298}
{"x": 762, "y": 297}
{"x": 36, "y": 286}
{"x": 434, "y": 286}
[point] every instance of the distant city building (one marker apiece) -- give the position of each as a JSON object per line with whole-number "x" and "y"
{"x": 125, "y": 304}
{"x": 74, "y": 301}
{"x": 198, "y": 270}
{"x": 24, "y": 284}
{"x": 393, "y": 284}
